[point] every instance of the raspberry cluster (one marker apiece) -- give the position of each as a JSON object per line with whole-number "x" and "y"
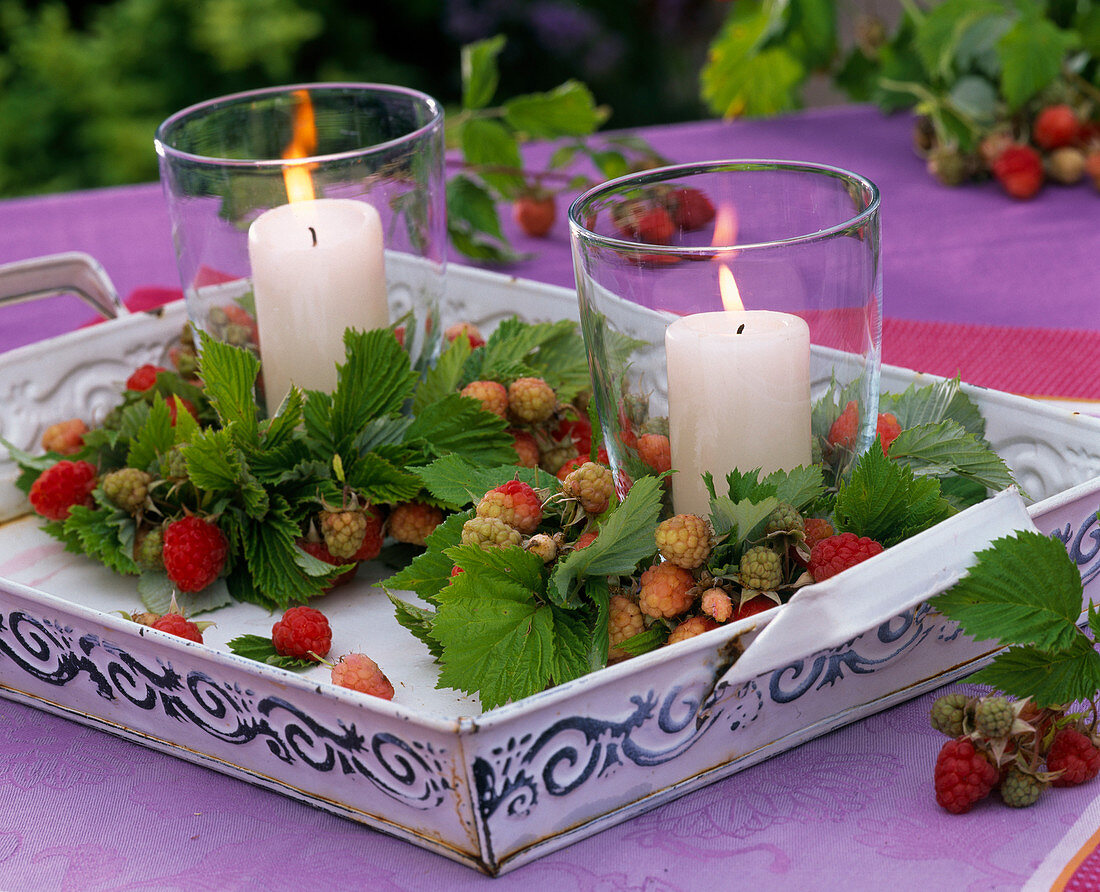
{"x": 1010, "y": 746}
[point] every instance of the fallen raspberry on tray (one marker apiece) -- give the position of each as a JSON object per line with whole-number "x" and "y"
{"x": 65, "y": 437}
{"x": 179, "y": 625}
{"x": 360, "y": 673}
{"x": 1019, "y": 789}
{"x": 413, "y": 522}
{"x": 62, "y": 487}
{"x": 1073, "y": 754}
{"x": 1019, "y": 170}
{"x": 592, "y": 485}
{"x": 666, "y": 590}
{"x": 685, "y": 540}
{"x": 491, "y": 394}
{"x": 144, "y": 377}
{"x": 963, "y": 775}
{"x": 838, "y": 553}
{"x": 515, "y": 503}
{"x": 531, "y": 400}
{"x": 302, "y": 633}
{"x": 948, "y": 713}
{"x": 194, "y": 552}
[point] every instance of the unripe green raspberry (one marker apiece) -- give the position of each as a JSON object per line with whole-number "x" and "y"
{"x": 127, "y": 488}
{"x": 993, "y": 717}
{"x": 149, "y": 550}
{"x": 489, "y": 532}
{"x": 784, "y": 519}
{"x": 761, "y": 569}
{"x": 343, "y": 531}
{"x": 172, "y": 465}
{"x": 592, "y": 485}
{"x": 948, "y": 713}
{"x": 656, "y": 425}
{"x": 1020, "y": 789}
{"x": 531, "y": 400}
{"x": 685, "y": 540}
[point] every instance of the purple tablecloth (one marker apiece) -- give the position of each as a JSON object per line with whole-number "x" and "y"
{"x": 80, "y": 810}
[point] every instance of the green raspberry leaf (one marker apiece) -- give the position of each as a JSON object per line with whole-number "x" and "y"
{"x": 418, "y": 621}
{"x": 458, "y": 425}
{"x": 946, "y": 448}
{"x": 1050, "y": 678}
{"x": 375, "y": 380}
{"x": 380, "y": 481}
{"x": 800, "y": 486}
{"x": 431, "y": 571}
{"x": 275, "y": 562}
{"x": 153, "y": 438}
{"x": 458, "y": 482}
{"x": 572, "y": 656}
{"x": 491, "y": 566}
{"x": 229, "y": 374}
{"x": 742, "y": 518}
{"x": 103, "y": 534}
{"x": 480, "y": 74}
{"x": 626, "y": 537}
{"x": 445, "y": 377}
{"x": 493, "y": 151}
{"x": 260, "y": 649}
{"x": 1024, "y": 589}
{"x": 567, "y": 110}
{"x": 156, "y": 591}
{"x": 1031, "y": 54}
{"x": 749, "y": 487}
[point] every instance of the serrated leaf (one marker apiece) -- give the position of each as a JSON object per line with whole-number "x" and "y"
{"x": 260, "y": 649}
{"x": 418, "y": 621}
{"x": 493, "y": 153}
{"x": 471, "y": 208}
{"x": 740, "y": 518}
{"x": 380, "y": 481}
{"x": 229, "y": 375}
{"x": 459, "y": 425}
{"x": 1031, "y": 54}
{"x": 154, "y": 438}
{"x": 375, "y": 380}
{"x": 492, "y": 566}
{"x": 458, "y": 482}
{"x": 940, "y": 401}
{"x": 563, "y": 363}
{"x": 572, "y": 649}
{"x": 444, "y": 377}
{"x": 941, "y": 29}
{"x": 598, "y": 591}
{"x": 931, "y": 448}
{"x": 431, "y": 571}
{"x": 1024, "y": 589}
{"x": 382, "y": 432}
{"x": 272, "y": 557}
{"x": 567, "y": 110}
{"x": 799, "y": 486}
{"x": 1049, "y": 678}
{"x": 480, "y": 74}
{"x": 626, "y": 538}
{"x": 498, "y": 644}
{"x": 98, "y": 534}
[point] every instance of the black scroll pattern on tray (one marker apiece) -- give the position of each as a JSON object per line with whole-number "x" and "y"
{"x": 409, "y": 771}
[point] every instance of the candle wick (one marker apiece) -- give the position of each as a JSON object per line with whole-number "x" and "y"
{"x": 741, "y": 328}
{"x": 313, "y": 232}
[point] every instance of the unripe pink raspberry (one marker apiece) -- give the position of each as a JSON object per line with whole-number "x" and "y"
{"x": 691, "y": 627}
{"x": 666, "y": 590}
{"x": 655, "y": 451}
{"x": 531, "y": 400}
{"x": 685, "y": 540}
{"x": 514, "y": 502}
{"x": 360, "y": 673}
{"x": 527, "y": 449}
{"x": 413, "y": 522}
{"x": 592, "y": 485}
{"x": 489, "y": 532}
{"x": 491, "y": 394}
{"x": 624, "y": 620}
{"x": 65, "y": 437}
{"x": 716, "y": 603}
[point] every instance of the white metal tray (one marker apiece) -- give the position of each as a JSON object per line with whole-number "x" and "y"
{"x": 498, "y": 789}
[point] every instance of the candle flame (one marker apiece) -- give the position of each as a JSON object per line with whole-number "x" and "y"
{"x": 727, "y": 287}
{"x": 299, "y": 182}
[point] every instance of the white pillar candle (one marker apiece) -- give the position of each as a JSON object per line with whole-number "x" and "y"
{"x": 738, "y": 397}
{"x": 318, "y": 268}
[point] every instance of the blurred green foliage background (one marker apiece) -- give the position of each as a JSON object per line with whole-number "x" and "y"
{"x": 83, "y": 85}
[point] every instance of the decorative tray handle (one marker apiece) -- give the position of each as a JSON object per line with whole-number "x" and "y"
{"x": 72, "y": 272}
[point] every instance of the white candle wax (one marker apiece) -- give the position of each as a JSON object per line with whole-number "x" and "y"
{"x": 735, "y": 400}
{"x": 317, "y": 268}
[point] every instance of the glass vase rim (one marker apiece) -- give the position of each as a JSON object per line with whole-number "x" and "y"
{"x": 165, "y": 149}
{"x": 659, "y": 174}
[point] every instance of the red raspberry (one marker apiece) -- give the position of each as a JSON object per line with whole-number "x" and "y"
{"x": 1019, "y": 170}
{"x": 844, "y": 430}
{"x": 653, "y": 226}
{"x": 514, "y": 502}
{"x": 179, "y": 625}
{"x": 585, "y": 539}
{"x": 319, "y": 551}
{"x": 491, "y": 394}
{"x": 655, "y": 451}
{"x": 144, "y": 377}
{"x": 963, "y": 775}
{"x": 360, "y": 673}
{"x": 753, "y": 606}
{"x": 471, "y": 332}
{"x": 838, "y": 553}
{"x": 691, "y": 209}
{"x": 689, "y": 628}
{"x": 531, "y": 400}
{"x": 413, "y": 522}
{"x": 816, "y": 529}
{"x": 624, "y": 620}
{"x": 194, "y": 552}
{"x": 65, "y": 437}
{"x": 302, "y": 633}
{"x": 174, "y": 403}
{"x": 576, "y": 430}
{"x": 569, "y": 467}
{"x": 372, "y": 535}
{"x": 888, "y": 429}
{"x": 534, "y": 214}
{"x": 1055, "y": 126}
{"x": 666, "y": 590}
{"x": 61, "y": 487}
{"x": 685, "y": 540}
{"x": 1075, "y": 756}
{"x": 592, "y": 485}
{"x": 527, "y": 449}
